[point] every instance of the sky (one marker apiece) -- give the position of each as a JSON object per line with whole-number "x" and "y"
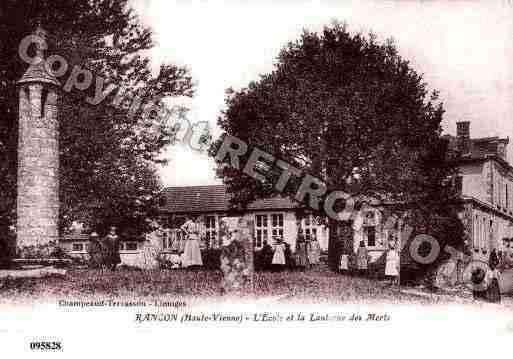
{"x": 464, "y": 50}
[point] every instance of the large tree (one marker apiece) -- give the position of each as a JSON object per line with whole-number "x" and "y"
{"x": 350, "y": 111}
{"x": 108, "y": 154}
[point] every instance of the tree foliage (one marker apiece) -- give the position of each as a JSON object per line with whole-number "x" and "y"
{"x": 107, "y": 156}
{"x": 350, "y": 111}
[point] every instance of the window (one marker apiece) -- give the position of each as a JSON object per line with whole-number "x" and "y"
{"x": 507, "y": 196}
{"x": 173, "y": 240}
{"x": 483, "y": 234}
{"x": 489, "y": 237}
{"x": 476, "y": 233}
{"x": 211, "y": 231}
{"x": 370, "y": 235}
{"x": 277, "y": 226}
{"x": 500, "y": 191}
{"x": 268, "y": 228}
{"x": 129, "y": 246}
{"x": 77, "y": 247}
{"x": 459, "y": 184}
{"x": 369, "y": 228}
{"x": 310, "y": 227}
{"x": 166, "y": 240}
{"x": 261, "y": 229}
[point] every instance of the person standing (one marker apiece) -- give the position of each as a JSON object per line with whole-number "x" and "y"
{"x": 150, "y": 251}
{"x": 493, "y": 292}
{"x": 266, "y": 255}
{"x": 191, "y": 256}
{"x": 362, "y": 259}
{"x": 279, "y": 255}
{"x": 343, "y": 266}
{"x": 301, "y": 251}
{"x": 112, "y": 247}
{"x": 96, "y": 251}
{"x": 314, "y": 250}
{"x": 392, "y": 265}
{"x": 290, "y": 261}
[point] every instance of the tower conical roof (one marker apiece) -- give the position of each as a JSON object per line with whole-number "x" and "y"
{"x": 37, "y": 72}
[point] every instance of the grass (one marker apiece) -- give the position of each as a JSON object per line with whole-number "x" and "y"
{"x": 317, "y": 285}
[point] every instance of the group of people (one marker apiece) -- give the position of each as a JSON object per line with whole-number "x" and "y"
{"x": 485, "y": 281}
{"x": 307, "y": 253}
{"x": 104, "y": 252}
{"x": 362, "y": 260}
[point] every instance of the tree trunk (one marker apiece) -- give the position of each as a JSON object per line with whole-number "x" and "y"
{"x": 341, "y": 237}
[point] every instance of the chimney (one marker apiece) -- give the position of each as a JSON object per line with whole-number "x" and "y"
{"x": 502, "y": 148}
{"x": 463, "y": 137}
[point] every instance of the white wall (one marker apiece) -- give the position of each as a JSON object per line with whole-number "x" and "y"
{"x": 483, "y": 240}
{"x": 474, "y": 180}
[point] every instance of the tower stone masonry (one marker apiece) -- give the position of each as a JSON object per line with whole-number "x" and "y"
{"x": 38, "y": 155}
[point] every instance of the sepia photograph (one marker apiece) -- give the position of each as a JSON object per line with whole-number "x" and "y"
{"x": 310, "y": 172}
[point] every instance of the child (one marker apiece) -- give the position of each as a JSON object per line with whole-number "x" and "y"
{"x": 478, "y": 286}
{"x": 344, "y": 263}
{"x": 392, "y": 265}
{"x": 493, "y": 292}
{"x": 279, "y": 256}
{"x": 362, "y": 259}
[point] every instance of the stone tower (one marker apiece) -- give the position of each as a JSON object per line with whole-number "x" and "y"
{"x": 38, "y": 154}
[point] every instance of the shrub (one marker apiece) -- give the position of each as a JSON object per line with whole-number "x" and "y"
{"x": 263, "y": 260}
{"x": 211, "y": 258}
{"x": 7, "y": 251}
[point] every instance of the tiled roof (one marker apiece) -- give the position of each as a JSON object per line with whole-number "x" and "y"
{"x": 196, "y": 199}
{"x": 480, "y": 148}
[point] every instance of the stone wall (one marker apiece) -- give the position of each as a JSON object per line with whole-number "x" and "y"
{"x": 38, "y": 163}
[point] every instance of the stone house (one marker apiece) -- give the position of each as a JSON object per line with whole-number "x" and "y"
{"x": 274, "y": 218}
{"x": 485, "y": 184}
{"x": 486, "y": 187}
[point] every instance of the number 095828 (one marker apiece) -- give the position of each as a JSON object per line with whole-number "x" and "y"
{"x": 45, "y": 345}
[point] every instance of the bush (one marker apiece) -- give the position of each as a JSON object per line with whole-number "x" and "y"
{"x": 7, "y": 251}
{"x": 211, "y": 258}
{"x": 263, "y": 260}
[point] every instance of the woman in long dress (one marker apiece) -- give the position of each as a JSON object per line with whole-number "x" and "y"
{"x": 301, "y": 252}
{"x": 191, "y": 253}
